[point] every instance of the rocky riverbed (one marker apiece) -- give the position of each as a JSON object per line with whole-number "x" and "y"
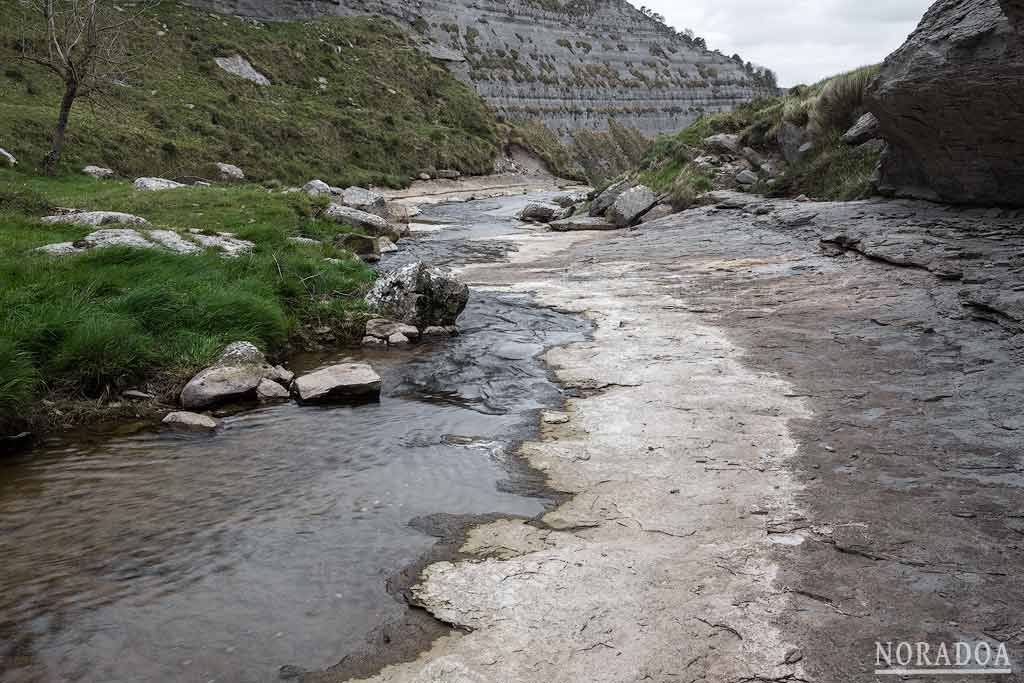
{"x": 779, "y": 451}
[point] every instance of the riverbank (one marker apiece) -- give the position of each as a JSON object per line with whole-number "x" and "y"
{"x": 779, "y": 452}
{"x": 80, "y": 330}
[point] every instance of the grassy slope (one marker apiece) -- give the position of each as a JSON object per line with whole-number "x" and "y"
{"x": 87, "y": 325}
{"x": 386, "y": 114}
{"x": 832, "y": 171}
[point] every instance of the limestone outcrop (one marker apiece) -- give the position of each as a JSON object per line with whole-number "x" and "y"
{"x": 950, "y": 104}
{"x": 570, "y": 64}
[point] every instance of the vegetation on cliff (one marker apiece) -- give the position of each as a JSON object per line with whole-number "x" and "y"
{"x": 349, "y": 99}
{"x": 819, "y": 114}
{"x": 86, "y": 326}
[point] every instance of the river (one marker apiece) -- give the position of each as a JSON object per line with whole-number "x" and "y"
{"x": 150, "y": 555}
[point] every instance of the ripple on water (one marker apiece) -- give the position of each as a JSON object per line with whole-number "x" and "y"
{"x": 163, "y": 556}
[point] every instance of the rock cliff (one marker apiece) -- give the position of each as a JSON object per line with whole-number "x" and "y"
{"x": 570, "y": 64}
{"x": 951, "y": 105}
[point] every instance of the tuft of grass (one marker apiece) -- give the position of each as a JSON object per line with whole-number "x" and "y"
{"x": 386, "y": 112}
{"x": 687, "y": 187}
{"x": 840, "y": 102}
{"x": 107, "y": 319}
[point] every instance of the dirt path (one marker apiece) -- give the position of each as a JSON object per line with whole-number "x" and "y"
{"x": 778, "y": 454}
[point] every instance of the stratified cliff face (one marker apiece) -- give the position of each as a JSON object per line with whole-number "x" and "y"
{"x": 951, "y": 105}
{"x": 569, "y": 63}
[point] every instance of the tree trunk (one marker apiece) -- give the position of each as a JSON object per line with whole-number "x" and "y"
{"x": 57, "y": 144}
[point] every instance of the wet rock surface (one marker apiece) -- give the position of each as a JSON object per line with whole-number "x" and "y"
{"x": 824, "y": 451}
{"x": 420, "y": 295}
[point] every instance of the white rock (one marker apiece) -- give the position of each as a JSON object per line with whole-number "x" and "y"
{"x": 192, "y": 421}
{"x": 371, "y": 223}
{"x": 173, "y": 241}
{"x": 7, "y": 158}
{"x": 386, "y": 246}
{"x": 116, "y": 237}
{"x": 281, "y": 375}
{"x": 229, "y": 172}
{"x": 98, "y": 172}
{"x": 364, "y": 200}
{"x": 225, "y": 241}
{"x": 303, "y": 240}
{"x": 554, "y": 417}
{"x": 96, "y": 218}
{"x": 60, "y": 249}
{"x": 343, "y": 381}
{"x": 156, "y": 184}
{"x": 240, "y": 66}
{"x": 398, "y": 339}
{"x": 315, "y": 187}
{"x": 383, "y": 328}
{"x": 374, "y": 341}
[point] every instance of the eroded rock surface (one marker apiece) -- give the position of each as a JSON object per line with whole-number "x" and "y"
{"x": 950, "y": 105}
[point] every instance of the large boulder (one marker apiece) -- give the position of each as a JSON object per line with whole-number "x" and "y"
{"x": 950, "y": 104}
{"x": 630, "y": 205}
{"x": 603, "y": 201}
{"x": 538, "y": 213}
{"x": 365, "y": 200}
{"x": 346, "y": 381}
{"x": 229, "y": 172}
{"x": 419, "y": 295}
{"x": 723, "y": 143}
{"x": 156, "y": 184}
{"x": 235, "y": 376}
{"x": 316, "y": 187}
{"x": 372, "y": 224}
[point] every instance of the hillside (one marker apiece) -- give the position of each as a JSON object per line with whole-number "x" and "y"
{"x": 350, "y": 99}
{"x": 568, "y": 63}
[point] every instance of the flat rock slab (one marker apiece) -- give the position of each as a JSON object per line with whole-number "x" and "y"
{"x": 579, "y": 223}
{"x": 156, "y": 184}
{"x": 240, "y": 66}
{"x": 343, "y": 382}
{"x": 94, "y": 218}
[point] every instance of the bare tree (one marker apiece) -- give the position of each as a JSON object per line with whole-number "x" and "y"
{"x": 86, "y": 44}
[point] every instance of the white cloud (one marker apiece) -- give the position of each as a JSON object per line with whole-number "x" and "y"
{"x": 801, "y": 40}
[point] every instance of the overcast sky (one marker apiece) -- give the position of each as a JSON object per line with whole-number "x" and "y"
{"x": 801, "y": 40}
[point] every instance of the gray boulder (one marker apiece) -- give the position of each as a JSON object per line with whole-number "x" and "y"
{"x": 7, "y": 158}
{"x": 98, "y": 172}
{"x": 346, "y": 381}
{"x": 948, "y": 103}
{"x": 537, "y": 213}
{"x": 156, "y": 184}
{"x": 365, "y": 200}
{"x": 866, "y": 128}
{"x": 191, "y": 421}
{"x": 419, "y": 295}
{"x": 240, "y": 66}
{"x": 235, "y": 376}
{"x": 723, "y": 143}
{"x": 448, "y": 174}
{"x": 316, "y": 187}
{"x": 570, "y": 198}
{"x": 372, "y": 224}
{"x": 630, "y": 205}
{"x": 791, "y": 139}
{"x": 269, "y": 390}
{"x": 582, "y": 223}
{"x": 603, "y": 201}
{"x": 746, "y": 177}
{"x": 229, "y": 172}
{"x": 386, "y": 246}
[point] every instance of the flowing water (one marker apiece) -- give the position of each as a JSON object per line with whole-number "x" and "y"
{"x": 156, "y": 556}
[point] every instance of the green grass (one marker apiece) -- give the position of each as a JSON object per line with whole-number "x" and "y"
{"x": 832, "y": 171}
{"x": 386, "y": 113}
{"x": 83, "y": 325}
